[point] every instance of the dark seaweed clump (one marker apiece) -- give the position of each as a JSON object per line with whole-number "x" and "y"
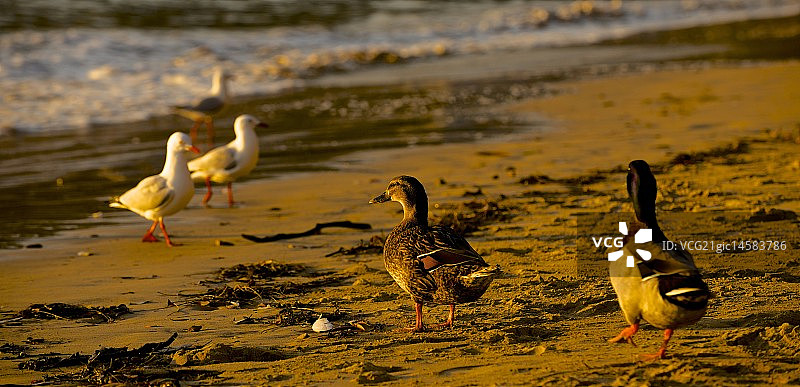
{"x": 372, "y": 246}
{"x": 261, "y": 270}
{"x": 146, "y": 365}
{"x": 64, "y": 311}
{"x": 468, "y": 217}
{"x": 719, "y": 152}
{"x": 254, "y": 284}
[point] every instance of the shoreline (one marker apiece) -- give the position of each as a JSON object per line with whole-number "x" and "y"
{"x": 543, "y": 131}
{"x": 532, "y": 322}
{"x": 509, "y": 122}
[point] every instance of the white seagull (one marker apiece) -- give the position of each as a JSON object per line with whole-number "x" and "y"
{"x": 227, "y": 163}
{"x": 164, "y": 194}
{"x": 205, "y": 109}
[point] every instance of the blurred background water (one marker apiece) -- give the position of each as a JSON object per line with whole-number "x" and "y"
{"x": 86, "y": 85}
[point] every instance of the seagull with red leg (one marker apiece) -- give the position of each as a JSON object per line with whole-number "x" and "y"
{"x": 161, "y": 195}
{"x": 431, "y": 263}
{"x": 663, "y": 287}
{"x": 231, "y": 161}
{"x": 204, "y": 110}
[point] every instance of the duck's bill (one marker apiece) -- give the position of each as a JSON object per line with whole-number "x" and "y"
{"x": 194, "y": 149}
{"x": 262, "y": 125}
{"x": 380, "y": 199}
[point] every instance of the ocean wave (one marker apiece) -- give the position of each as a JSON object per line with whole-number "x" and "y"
{"x": 77, "y": 76}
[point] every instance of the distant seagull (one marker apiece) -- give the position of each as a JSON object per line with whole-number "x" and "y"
{"x": 205, "y": 109}
{"x": 164, "y": 194}
{"x": 226, "y": 163}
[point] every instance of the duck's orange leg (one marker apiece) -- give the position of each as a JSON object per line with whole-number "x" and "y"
{"x": 450, "y": 318}
{"x": 661, "y": 351}
{"x": 418, "y": 327}
{"x": 626, "y": 335}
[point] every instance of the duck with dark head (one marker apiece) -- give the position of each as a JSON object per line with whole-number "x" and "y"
{"x": 431, "y": 263}
{"x": 666, "y": 288}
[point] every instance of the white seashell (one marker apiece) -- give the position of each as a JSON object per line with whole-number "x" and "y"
{"x": 322, "y": 325}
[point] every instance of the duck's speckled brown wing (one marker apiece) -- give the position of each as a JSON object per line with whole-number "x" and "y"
{"x": 443, "y": 257}
{"x": 442, "y": 247}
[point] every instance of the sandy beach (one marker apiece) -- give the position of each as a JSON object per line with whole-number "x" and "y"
{"x": 721, "y": 137}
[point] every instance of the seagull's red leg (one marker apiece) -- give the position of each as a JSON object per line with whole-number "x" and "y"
{"x": 210, "y": 134}
{"x": 661, "y": 351}
{"x": 208, "y": 194}
{"x": 149, "y": 237}
{"x": 193, "y": 131}
{"x": 626, "y": 335}
{"x": 166, "y": 236}
{"x": 450, "y": 317}
{"x": 230, "y": 194}
{"x": 419, "y": 327}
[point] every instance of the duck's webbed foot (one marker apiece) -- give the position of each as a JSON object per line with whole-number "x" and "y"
{"x": 626, "y": 335}
{"x": 661, "y": 351}
{"x": 418, "y": 327}
{"x": 450, "y": 318}
{"x": 414, "y": 329}
{"x": 653, "y": 356}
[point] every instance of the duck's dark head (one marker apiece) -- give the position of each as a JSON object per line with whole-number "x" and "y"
{"x": 642, "y": 188}
{"x": 409, "y": 192}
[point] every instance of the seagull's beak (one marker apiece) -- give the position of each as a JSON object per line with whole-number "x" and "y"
{"x": 193, "y": 149}
{"x": 262, "y": 125}
{"x": 382, "y": 198}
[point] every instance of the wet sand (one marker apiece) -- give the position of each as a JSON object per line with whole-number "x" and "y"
{"x": 542, "y": 322}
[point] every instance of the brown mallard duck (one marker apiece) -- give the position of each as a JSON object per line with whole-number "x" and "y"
{"x": 665, "y": 289}
{"x": 432, "y": 263}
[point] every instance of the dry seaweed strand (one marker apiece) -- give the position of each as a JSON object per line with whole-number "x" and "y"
{"x": 316, "y": 230}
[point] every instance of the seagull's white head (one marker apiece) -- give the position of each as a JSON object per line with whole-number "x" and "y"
{"x": 181, "y": 142}
{"x": 246, "y": 121}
